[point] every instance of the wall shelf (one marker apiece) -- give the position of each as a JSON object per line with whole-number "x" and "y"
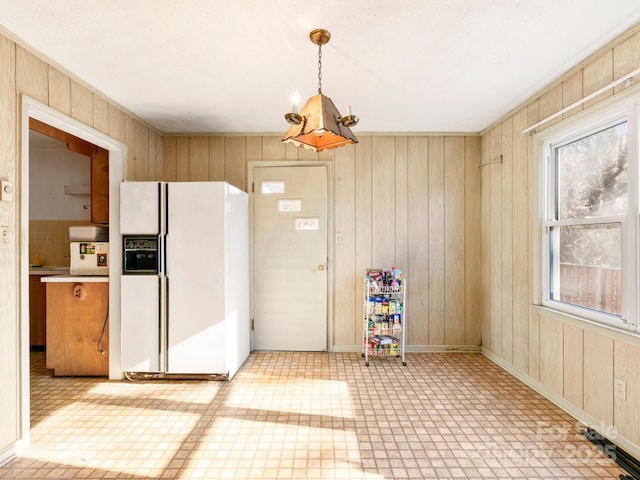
{"x": 77, "y": 189}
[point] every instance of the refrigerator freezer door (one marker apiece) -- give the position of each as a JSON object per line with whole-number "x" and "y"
{"x": 141, "y": 323}
{"x": 140, "y": 208}
{"x": 195, "y": 255}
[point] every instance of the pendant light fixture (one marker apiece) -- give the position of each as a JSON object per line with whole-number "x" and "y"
{"x": 319, "y": 126}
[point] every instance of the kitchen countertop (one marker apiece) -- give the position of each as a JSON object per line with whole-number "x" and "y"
{"x": 48, "y": 270}
{"x": 76, "y": 278}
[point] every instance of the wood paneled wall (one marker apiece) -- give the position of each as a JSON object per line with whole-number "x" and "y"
{"x": 573, "y": 362}
{"x": 10, "y": 337}
{"x": 49, "y": 86}
{"x": 22, "y": 72}
{"x": 406, "y": 201}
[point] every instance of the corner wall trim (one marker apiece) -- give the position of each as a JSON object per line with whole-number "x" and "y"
{"x": 624, "y": 78}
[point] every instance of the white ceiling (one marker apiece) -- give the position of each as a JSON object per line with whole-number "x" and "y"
{"x": 403, "y": 66}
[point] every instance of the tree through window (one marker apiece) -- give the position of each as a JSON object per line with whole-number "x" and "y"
{"x": 589, "y": 186}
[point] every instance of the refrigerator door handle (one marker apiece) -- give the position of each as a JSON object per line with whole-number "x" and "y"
{"x": 162, "y": 205}
{"x": 165, "y": 233}
{"x": 162, "y": 247}
{"x": 163, "y": 320}
{"x": 160, "y": 225}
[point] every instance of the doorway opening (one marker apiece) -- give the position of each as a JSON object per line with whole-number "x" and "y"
{"x": 68, "y": 191}
{"x": 113, "y": 154}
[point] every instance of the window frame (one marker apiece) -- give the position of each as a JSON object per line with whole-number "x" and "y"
{"x": 624, "y": 110}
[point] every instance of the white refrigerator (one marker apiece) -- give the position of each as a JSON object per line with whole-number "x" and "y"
{"x": 192, "y": 316}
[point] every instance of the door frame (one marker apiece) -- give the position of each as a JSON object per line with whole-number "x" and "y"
{"x": 330, "y": 233}
{"x": 31, "y": 108}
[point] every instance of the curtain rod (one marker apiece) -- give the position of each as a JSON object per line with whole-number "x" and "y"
{"x": 529, "y": 131}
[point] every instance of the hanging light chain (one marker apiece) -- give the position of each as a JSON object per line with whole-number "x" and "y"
{"x": 319, "y": 67}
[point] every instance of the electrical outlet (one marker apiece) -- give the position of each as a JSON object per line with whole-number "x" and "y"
{"x": 338, "y": 238}
{"x": 621, "y": 389}
{"x": 48, "y": 238}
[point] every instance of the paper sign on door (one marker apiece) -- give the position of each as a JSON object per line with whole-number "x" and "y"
{"x": 271, "y": 187}
{"x": 304, "y": 224}
{"x": 288, "y": 206}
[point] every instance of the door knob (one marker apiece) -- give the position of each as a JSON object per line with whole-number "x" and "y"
{"x": 320, "y": 268}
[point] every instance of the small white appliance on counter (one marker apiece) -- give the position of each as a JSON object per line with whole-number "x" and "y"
{"x": 89, "y": 258}
{"x": 89, "y": 250}
{"x": 185, "y": 282}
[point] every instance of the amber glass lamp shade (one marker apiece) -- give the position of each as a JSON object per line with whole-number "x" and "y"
{"x": 320, "y": 128}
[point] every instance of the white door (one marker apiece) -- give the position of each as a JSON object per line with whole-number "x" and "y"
{"x": 290, "y": 258}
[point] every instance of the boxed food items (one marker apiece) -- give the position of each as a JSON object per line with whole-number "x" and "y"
{"x": 384, "y": 279}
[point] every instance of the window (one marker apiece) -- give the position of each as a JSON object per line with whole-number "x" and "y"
{"x": 589, "y": 239}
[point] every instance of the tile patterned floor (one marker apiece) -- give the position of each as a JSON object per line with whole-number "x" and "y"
{"x": 306, "y": 415}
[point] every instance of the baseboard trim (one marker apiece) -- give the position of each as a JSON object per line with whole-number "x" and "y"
{"x": 564, "y": 404}
{"x": 443, "y": 348}
{"x": 9, "y": 453}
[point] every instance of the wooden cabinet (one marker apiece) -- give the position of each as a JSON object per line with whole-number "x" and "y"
{"x": 99, "y": 167}
{"x": 78, "y": 328}
{"x": 37, "y": 311}
{"x": 100, "y": 186}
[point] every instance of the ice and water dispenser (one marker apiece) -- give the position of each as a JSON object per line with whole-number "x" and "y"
{"x": 140, "y": 255}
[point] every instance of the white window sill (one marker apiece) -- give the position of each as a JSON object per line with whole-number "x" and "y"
{"x": 619, "y": 334}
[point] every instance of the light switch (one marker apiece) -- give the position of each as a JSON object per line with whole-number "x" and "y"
{"x": 6, "y": 191}
{"x": 4, "y": 236}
